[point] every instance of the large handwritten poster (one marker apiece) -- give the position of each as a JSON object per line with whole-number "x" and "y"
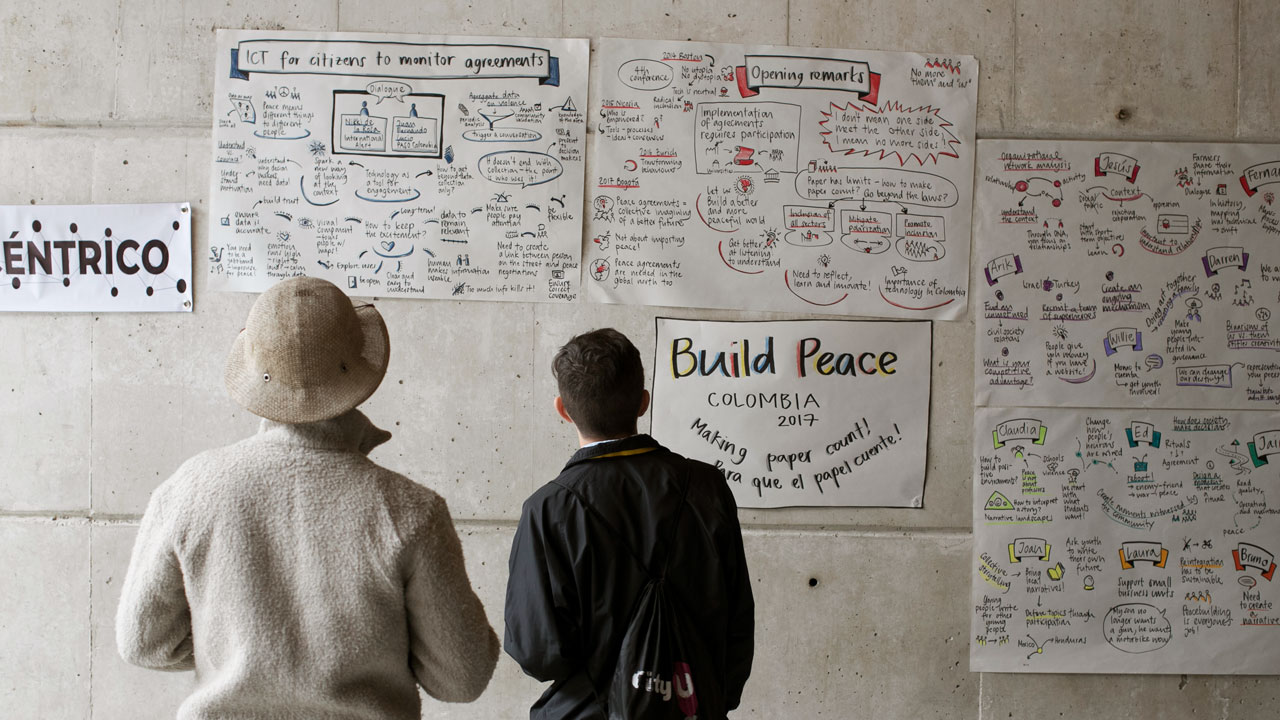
{"x": 799, "y": 413}
{"x": 1127, "y": 274}
{"x": 397, "y": 165}
{"x": 1126, "y": 541}
{"x": 777, "y": 178}
{"x": 96, "y": 258}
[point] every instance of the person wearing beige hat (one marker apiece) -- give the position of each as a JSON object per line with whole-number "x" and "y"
{"x": 298, "y": 578}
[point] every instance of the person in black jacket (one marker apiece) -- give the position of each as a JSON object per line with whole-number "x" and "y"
{"x": 574, "y": 582}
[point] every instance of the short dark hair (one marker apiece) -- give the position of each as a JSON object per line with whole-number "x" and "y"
{"x": 601, "y": 382}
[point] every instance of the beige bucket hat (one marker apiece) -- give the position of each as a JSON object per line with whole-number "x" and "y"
{"x": 306, "y": 354}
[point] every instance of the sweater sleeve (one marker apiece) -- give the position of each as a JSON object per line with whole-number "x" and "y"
{"x": 153, "y": 620}
{"x": 540, "y": 630}
{"x": 453, "y": 650}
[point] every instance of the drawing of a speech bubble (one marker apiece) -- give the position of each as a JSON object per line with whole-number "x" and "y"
{"x": 1136, "y": 628}
{"x": 384, "y": 89}
{"x": 917, "y": 133}
{"x": 1154, "y": 362}
{"x": 519, "y": 167}
{"x": 502, "y": 135}
{"x": 866, "y": 231}
{"x": 645, "y": 74}
{"x": 890, "y": 185}
{"x": 866, "y": 222}
{"x": 929, "y": 228}
{"x": 801, "y": 217}
{"x": 1218, "y": 376}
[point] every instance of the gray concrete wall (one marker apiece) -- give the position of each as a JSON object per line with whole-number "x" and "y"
{"x": 110, "y": 101}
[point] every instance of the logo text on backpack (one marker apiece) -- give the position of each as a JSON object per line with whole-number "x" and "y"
{"x": 647, "y": 681}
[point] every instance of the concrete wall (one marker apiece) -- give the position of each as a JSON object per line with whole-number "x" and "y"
{"x": 110, "y": 101}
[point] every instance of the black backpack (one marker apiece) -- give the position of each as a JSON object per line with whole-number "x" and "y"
{"x": 654, "y": 678}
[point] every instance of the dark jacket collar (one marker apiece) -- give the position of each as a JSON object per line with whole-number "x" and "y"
{"x": 633, "y": 445}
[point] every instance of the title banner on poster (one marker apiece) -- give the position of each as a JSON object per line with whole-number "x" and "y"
{"x": 799, "y": 413}
{"x": 95, "y": 258}
{"x": 1134, "y": 274}
{"x": 1125, "y": 541}
{"x": 399, "y": 165}
{"x": 813, "y": 180}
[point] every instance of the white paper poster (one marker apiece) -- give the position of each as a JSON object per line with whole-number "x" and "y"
{"x": 798, "y": 413}
{"x": 96, "y": 258}
{"x": 1127, "y": 274}
{"x": 399, "y": 165}
{"x": 778, "y": 178}
{"x": 1126, "y": 541}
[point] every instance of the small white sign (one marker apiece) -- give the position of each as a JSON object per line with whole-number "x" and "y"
{"x": 95, "y": 258}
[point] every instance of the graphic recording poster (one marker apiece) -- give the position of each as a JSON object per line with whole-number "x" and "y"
{"x": 96, "y": 258}
{"x": 1127, "y": 274}
{"x": 1126, "y": 541}
{"x": 397, "y": 165}
{"x": 777, "y": 178}
{"x": 799, "y": 413}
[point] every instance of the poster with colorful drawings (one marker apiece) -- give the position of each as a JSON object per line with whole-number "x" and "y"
{"x": 780, "y": 178}
{"x": 1127, "y": 274}
{"x": 399, "y": 165}
{"x": 1125, "y": 541}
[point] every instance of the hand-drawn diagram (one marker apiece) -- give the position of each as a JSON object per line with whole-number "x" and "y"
{"x": 1127, "y": 274}
{"x": 762, "y": 177}
{"x": 396, "y": 165}
{"x": 96, "y": 258}
{"x": 1119, "y": 541}
{"x": 799, "y": 413}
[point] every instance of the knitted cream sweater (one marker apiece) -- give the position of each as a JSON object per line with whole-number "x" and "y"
{"x": 302, "y": 581}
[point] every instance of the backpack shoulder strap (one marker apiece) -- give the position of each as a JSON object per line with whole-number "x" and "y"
{"x": 675, "y": 527}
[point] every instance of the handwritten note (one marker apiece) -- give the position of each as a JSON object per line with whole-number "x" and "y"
{"x": 1127, "y": 274}
{"x": 1125, "y": 541}
{"x": 802, "y": 179}
{"x": 398, "y": 165}
{"x": 799, "y": 413}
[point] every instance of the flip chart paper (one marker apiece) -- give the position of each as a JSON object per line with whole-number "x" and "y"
{"x": 1125, "y": 541}
{"x": 799, "y": 413}
{"x": 777, "y": 178}
{"x": 399, "y": 165}
{"x": 1127, "y": 274}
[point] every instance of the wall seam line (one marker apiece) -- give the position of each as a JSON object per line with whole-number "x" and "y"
{"x": 93, "y": 328}
{"x": 1239, "y": 60}
{"x": 94, "y": 519}
{"x": 788, "y": 22}
{"x": 1013, "y": 75}
{"x": 115, "y": 81}
{"x": 92, "y": 639}
{"x": 981, "y": 678}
